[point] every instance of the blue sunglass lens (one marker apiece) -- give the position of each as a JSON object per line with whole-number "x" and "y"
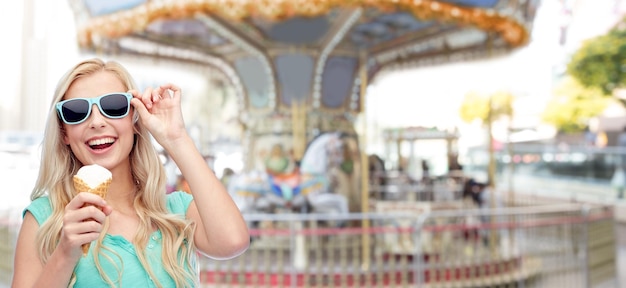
{"x": 115, "y": 105}
{"x": 75, "y": 110}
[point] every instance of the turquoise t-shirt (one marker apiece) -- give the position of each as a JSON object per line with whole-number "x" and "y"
{"x": 123, "y": 260}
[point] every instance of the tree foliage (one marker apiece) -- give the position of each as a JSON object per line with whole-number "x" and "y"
{"x": 601, "y": 61}
{"x": 573, "y": 105}
{"x": 476, "y": 106}
{"x": 487, "y": 108}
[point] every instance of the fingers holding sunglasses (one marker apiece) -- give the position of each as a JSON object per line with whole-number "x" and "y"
{"x": 169, "y": 90}
{"x": 160, "y": 104}
{"x": 152, "y": 96}
{"x": 147, "y": 97}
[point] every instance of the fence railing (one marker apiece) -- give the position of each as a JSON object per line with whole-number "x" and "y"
{"x": 545, "y": 246}
{"x": 412, "y": 244}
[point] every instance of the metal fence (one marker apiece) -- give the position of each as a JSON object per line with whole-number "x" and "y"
{"x": 414, "y": 244}
{"x": 537, "y": 246}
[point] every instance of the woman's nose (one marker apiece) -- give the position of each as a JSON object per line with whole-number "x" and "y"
{"x": 96, "y": 118}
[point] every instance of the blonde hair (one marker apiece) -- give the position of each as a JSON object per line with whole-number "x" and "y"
{"x": 58, "y": 165}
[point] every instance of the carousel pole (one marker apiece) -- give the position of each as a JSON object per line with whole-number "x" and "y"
{"x": 298, "y": 122}
{"x": 298, "y": 133}
{"x": 364, "y": 164}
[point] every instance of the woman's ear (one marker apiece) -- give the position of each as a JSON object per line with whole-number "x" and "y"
{"x": 135, "y": 116}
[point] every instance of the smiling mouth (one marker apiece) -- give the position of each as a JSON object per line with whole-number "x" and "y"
{"x": 101, "y": 143}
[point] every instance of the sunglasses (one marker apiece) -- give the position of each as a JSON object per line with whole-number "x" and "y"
{"x": 77, "y": 110}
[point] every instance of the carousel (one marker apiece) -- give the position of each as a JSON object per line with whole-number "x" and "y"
{"x": 300, "y": 69}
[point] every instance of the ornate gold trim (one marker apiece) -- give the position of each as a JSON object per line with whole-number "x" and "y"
{"x": 136, "y": 19}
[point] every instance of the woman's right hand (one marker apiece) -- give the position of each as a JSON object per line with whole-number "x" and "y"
{"x": 82, "y": 222}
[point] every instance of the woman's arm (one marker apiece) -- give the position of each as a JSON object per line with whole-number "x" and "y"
{"x": 28, "y": 271}
{"x": 221, "y": 230}
{"x": 81, "y": 224}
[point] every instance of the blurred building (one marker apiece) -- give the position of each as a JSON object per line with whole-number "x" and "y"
{"x": 25, "y": 112}
{"x": 41, "y": 43}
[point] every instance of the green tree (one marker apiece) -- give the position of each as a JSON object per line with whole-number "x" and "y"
{"x": 487, "y": 108}
{"x": 573, "y": 105}
{"x": 601, "y": 61}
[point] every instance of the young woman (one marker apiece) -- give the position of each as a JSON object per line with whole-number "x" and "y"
{"x": 142, "y": 237}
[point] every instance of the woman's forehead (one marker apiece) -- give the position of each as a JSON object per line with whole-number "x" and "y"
{"x": 94, "y": 85}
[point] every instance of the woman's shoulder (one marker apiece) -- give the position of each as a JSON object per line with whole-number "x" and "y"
{"x": 178, "y": 202}
{"x": 40, "y": 208}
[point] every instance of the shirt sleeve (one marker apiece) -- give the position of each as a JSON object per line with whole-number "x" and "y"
{"x": 40, "y": 208}
{"x": 178, "y": 202}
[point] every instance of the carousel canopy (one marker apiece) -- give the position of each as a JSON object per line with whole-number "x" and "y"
{"x": 276, "y": 52}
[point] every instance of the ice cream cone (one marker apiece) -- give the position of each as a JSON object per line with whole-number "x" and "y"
{"x": 101, "y": 189}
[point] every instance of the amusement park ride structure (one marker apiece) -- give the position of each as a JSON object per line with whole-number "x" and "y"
{"x": 300, "y": 70}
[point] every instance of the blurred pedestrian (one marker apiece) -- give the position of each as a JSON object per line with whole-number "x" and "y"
{"x": 226, "y": 175}
{"x": 425, "y": 170}
{"x": 473, "y": 190}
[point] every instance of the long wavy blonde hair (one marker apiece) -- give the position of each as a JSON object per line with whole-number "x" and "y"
{"x": 58, "y": 165}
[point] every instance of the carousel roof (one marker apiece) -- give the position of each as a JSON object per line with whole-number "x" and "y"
{"x": 392, "y": 31}
{"x": 319, "y": 40}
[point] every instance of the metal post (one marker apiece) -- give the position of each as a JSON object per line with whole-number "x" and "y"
{"x": 364, "y": 165}
{"x": 419, "y": 267}
{"x": 585, "y": 213}
{"x": 491, "y": 171}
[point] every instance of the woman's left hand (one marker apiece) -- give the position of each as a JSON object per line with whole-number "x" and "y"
{"x": 160, "y": 111}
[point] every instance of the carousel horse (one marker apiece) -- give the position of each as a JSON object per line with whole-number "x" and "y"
{"x": 325, "y": 155}
{"x": 306, "y": 187}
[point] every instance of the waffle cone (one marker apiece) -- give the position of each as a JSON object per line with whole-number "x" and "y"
{"x": 100, "y": 190}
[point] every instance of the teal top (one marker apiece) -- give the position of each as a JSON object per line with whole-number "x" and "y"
{"x": 122, "y": 260}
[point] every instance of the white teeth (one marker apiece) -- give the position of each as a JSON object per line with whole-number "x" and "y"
{"x": 101, "y": 141}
